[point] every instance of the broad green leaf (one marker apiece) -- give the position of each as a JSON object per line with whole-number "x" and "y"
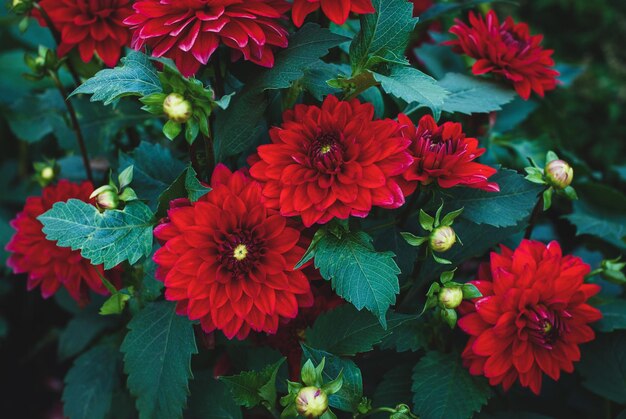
{"x": 82, "y": 330}
{"x": 384, "y": 34}
{"x": 347, "y": 331}
{"x": 603, "y": 366}
{"x": 252, "y": 388}
{"x": 414, "y": 87}
{"x": 348, "y": 398}
{"x": 395, "y": 388}
{"x": 157, "y": 358}
{"x": 613, "y": 316}
{"x": 108, "y": 238}
{"x": 316, "y": 77}
{"x": 211, "y": 399}
{"x": 470, "y": 95}
{"x": 195, "y": 189}
{"x": 34, "y": 116}
{"x": 155, "y": 169}
{"x": 443, "y": 388}
{"x": 409, "y": 336}
{"x": 514, "y": 202}
{"x": 358, "y": 273}
{"x": 136, "y": 76}
{"x": 89, "y": 384}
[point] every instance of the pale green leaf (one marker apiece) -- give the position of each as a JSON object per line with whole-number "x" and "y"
{"x": 470, "y": 95}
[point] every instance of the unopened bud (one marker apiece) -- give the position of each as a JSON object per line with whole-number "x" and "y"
{"x": 47, "y": 173}
{"x": 311, "y": 402}
{"x": 106, "y": 197}
{"x": 451, "y": 297}
{"x": 559, "y": 174}
{"x": 177, "y": 108}
{"x": 442, "y": 239}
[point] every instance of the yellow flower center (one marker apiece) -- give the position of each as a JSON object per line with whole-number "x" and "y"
{"x": 325, "y": 149}
{"x": 240, "y": 252}
{"x": 547, "y": 328}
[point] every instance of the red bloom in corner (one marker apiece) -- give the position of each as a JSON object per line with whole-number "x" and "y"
{"x": 336, "y": 10}
{"x": 228, "y": 260}
{"x": 443, "y": 154}
{"x": 190, "y": 31}
{"x": 333, "y": 161}
{"x": 532, "y": 316}
{"x": 507, "y": 49}
{"x": 47, "y": 265}
{"x": 90, "y": 25}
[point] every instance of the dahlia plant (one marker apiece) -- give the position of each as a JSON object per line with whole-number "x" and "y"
{"x": 308, "y": 208}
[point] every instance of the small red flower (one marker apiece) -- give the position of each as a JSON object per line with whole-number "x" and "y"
{"x": 228, "y": 260}
{"x": 189, "y": 31}
{"x": 532, "y": 316}
{"x": 47, "y": 265}
{"x": 333, "y": 161}
{"x": 444, "y": 155}
{"x": 336, "y": 10}
{"x": 507, "y": 49}
{"x": 90, "y": 25}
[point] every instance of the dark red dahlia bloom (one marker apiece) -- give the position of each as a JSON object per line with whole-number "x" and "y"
{"x": 333, "y": 161}
{"x": 444, "y": 155}
{"x": 507, "y": 49}
{"x": 189, "y": 31}
{"x": 90, "y": 25}
{"x": 228, "y": 260}
{"x": 47, "y": 265}
{"x": 336, "y": 10}
{"x": 532, "y": 316}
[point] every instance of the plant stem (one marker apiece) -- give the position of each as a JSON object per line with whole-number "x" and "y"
{"x": 210, "y": 152}
{"x": 374, "y": 411}
{"x": 534, "y": 217}
{"x": 75, "y": 124}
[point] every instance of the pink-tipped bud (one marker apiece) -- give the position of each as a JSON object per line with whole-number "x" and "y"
{"x": 442, "y": 239}
{"x": 311, "y": 402}
{"x": 451, "y": 297}
{"x": 177, "y": 108}
{"x": 559, "y": 174}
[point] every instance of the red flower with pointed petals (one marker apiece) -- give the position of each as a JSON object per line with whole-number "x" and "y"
{"x": 333, "y": 161}
{"x": 506, "y": 49}
{"x": 91, "y": 25}
{"x": 46, "y": 265}
{"x": 336, "y": 10}
{"x": 532, "y": 316}
{"x": 189, "y": 31}
{"x": 227, "y": 260}
{"x": 443, "y": 154}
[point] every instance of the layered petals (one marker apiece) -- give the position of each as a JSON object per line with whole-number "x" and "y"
{"x": 332, "y": 161}
{"x": 227, "y": 259}
{"x": 508, "y": 50}
{"x": 531, "y": 317}
{"x": 47, "y": 266}
{"x": 336, "y": 10}
{"x": 190, "y": 31}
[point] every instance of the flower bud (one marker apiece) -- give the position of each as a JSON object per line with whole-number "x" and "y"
{"x": 177, "y": 108}
{"x": 106, "y": 197}
{"x": 451, "y": 297}
{"x": 311, "y": 402}
{"x": 559, "y": 174}
{"x": 442, "y": 239}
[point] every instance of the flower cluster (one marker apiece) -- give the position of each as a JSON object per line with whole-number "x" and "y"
{"x": 531, "y": 317}
{"x": 506, "y": 49}
{"x": 48, "y": 266}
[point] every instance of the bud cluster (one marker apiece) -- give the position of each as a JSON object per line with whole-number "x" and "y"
{"x": 557, "y": 175}
{"x": 446, "y": 296}
{"x": 111, "y": 196}
{"x": 46, "y": 172}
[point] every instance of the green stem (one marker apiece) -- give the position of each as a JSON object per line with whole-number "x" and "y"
{"x": 374, "y": 411}
{"x": 534, "y": 217}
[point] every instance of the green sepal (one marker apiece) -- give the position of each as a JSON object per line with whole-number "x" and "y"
{"x": 171, "y": 130}
{"x": 449, "y": 316}
{"x": 413, "y": 240}
{"x": 470, "y": 292}
{"x": 450, "y": 217}
{"x": 547, "y": 198}
{"x": 333, "y": 386}
{"x": 426, "y": 221}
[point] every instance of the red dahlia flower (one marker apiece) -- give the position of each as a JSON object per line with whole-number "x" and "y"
{"x": 506, "y": 49}
{"x": 91, "y": 25}
{"x": 333, "y": 161}
{"x": 443, "y": 154}
{"x": 47, "y": 265}
{"x": 532, "y": 316}
{"x": 228, "y": 260}
{"x": 336, "y": 10}
{"x": 189, "y": 31}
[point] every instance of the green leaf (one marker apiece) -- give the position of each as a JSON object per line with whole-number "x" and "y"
{"x": 613, "y": 316}
{"x": 514, "y": 202}
{"x": 82, "y": 330}
{"x": 195, "y": 189}
{"x": 603, "y": 366}
{"x": 237, "y": 128}
{"x": 252, "y": 388}
{"x": 351, "y": 392}
{"x": 384, "y": 34}
{"x": 157, "y": 358}
{"x": 347, "y": 331}
{"x": 88, "y": 391}
{"x": 108, "y": 238}
{"x": 316, "y": 78}
{"x": 136, "y": 76}
{"x": 414, "y": 87}
{"x": 155, "y": 169}
{"x": 470, "y": 95}
{"x": 443, "y": 388}
{"x": 115, "y": 304}
{"x": 358, "y": 273}
{"x": 211, "y": 399}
